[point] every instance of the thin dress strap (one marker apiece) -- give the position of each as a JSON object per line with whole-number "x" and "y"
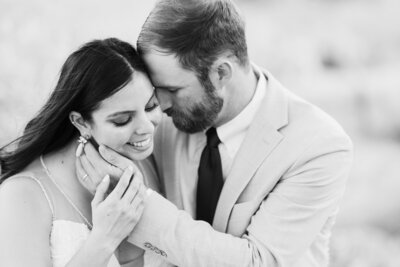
{"x": 42, "y": 187}
{"x": 80, "y": 213}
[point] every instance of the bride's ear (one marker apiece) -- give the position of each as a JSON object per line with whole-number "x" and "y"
{"x": 79, "y": 122}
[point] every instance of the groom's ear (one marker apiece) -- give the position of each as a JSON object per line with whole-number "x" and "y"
{"x": 80, "y": 123}
{"x": 223, "y": 71}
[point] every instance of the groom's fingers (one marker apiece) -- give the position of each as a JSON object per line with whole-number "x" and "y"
{"x": 83, "y": 176}
{"x": 115, "y": 159}
{"x": 101, "y": 191}
{"x": 122, "y": 185}
{"x": 101, "y": 165}
{"x": 131, "y": 191}
{"x": 92, "y": 153}
{"x": 93, "y": 176}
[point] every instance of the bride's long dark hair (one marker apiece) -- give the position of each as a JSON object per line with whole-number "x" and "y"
{"x": 91, "y": 74}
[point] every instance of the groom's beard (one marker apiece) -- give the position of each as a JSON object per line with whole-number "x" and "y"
{"x": 201, "y": 115}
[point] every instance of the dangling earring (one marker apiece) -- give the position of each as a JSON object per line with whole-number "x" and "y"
{"x": 82, "y": 141}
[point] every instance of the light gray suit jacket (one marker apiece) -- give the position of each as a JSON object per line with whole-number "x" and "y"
{"x": 278, "y": 204}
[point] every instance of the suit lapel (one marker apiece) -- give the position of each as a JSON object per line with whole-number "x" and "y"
{"x": 263, "y": 136}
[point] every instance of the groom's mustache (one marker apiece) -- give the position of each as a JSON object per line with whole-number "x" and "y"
{"x": 169, "y": 111}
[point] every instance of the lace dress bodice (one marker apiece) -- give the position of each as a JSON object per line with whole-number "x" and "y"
{"x": 66, "y": 238}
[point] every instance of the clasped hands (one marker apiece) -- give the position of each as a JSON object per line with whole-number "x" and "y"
{"x": 116, "y": 208}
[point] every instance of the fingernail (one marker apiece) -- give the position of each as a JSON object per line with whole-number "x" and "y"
{"x": 106, "y": 178}
{"x": 101, "y": 148}
{"x": 130, "y": 168}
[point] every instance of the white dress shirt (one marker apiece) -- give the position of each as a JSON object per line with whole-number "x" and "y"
{"x": 231, "y": 135}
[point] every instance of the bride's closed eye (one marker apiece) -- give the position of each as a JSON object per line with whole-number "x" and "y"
{"x": 122, "y": 121}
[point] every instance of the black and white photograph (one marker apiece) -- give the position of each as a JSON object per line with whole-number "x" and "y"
{"x": 200, "y": 133}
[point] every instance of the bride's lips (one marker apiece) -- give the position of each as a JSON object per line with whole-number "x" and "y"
{"x": 141, "y": 145}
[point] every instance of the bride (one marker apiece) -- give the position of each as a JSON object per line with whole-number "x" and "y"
{"x": 48, "y": 218}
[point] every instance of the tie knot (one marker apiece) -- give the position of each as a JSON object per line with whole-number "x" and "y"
{"x": 212, "y": 137}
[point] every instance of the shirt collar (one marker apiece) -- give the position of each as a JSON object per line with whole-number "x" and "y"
{"x": 243, "y": 120}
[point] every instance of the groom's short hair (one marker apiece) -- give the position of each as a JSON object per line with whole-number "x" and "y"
{"x": 196, "y": 31}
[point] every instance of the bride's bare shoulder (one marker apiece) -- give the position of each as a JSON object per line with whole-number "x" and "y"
{"x": 22, "y": 196}
{"x": 26, "y": 222}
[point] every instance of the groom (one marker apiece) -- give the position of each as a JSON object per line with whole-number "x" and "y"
{"x": 251, "y": 174}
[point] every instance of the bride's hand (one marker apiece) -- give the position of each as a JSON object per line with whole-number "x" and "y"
{"x": 115, "y": 215}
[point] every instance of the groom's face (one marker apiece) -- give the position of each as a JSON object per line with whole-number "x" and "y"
{"x": 192, "y": 105}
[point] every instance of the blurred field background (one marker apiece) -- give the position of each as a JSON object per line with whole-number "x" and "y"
{"x": 343, "y": 55}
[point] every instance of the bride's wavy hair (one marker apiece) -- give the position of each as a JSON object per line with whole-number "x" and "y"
{"x": 91, "y": 74}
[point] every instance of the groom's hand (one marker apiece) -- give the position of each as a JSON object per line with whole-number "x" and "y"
{"x": 92, "y": 166}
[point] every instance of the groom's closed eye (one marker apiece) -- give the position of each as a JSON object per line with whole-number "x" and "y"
{"x": 152, "y": 104}
{"x": 151, "y": 107}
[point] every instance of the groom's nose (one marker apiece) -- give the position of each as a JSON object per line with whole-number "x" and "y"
{"x": 164, "y": 98}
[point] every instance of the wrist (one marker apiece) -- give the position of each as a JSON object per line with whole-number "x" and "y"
{"x": 100, "y": 246}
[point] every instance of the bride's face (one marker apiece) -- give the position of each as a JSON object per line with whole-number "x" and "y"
{"x": 126, "y": 120}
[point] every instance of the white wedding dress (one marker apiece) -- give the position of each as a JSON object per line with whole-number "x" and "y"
{"x": 69, "y": 231}
{"x": 66, "y": 238}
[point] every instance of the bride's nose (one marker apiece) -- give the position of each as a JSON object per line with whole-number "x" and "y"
{"x": 143, "y": 125}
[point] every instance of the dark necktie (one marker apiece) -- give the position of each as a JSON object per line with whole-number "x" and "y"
{"x": 210, "y": 181}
